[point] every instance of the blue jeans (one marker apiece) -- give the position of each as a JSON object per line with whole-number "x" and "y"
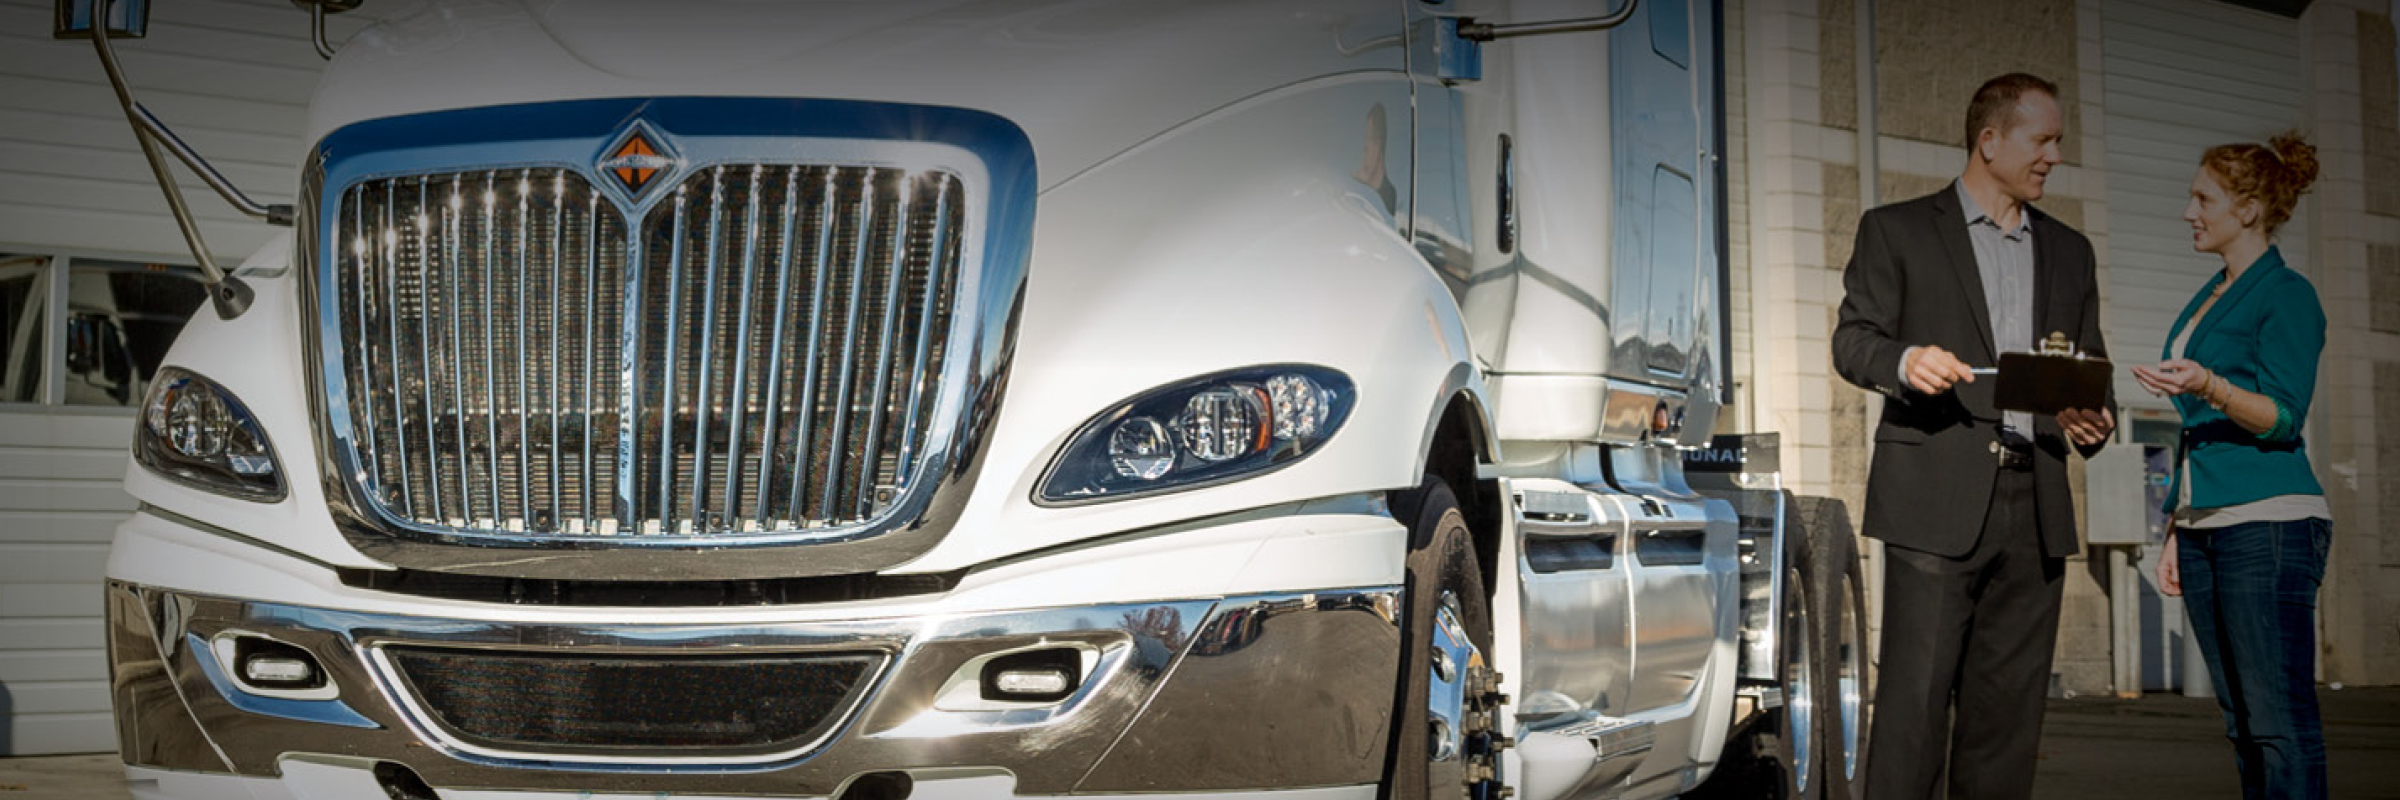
{"x": 2251, "y": 593}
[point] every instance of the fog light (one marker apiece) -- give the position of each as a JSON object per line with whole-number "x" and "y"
{"x": 1033, "y": 681}
{"x": 271, "y": 669}
{"x": 1037, "y": 676}
{"x": 269, "y": 664}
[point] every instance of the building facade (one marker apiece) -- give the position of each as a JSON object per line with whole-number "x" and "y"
{"x": 2146, "y": 86}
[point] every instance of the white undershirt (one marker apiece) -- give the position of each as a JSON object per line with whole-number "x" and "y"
{"x": 2280, "y": 508}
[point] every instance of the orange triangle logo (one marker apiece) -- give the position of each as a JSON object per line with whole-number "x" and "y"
{"x": 635, "y": 162}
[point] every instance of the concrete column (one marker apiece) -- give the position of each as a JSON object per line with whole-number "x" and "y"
{"x": 2349, "y": 114}
{"x": 1791, "y": 294}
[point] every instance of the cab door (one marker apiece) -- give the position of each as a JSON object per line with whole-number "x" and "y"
{"x": 1663, "y": 117}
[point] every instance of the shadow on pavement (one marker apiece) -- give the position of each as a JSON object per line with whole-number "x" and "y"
{"x": 2168, "y": 745}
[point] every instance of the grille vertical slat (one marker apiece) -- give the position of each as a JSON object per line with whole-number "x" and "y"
{"x": 358, "y": 273}
{"x": 703, "y": 376}
{"x": 452, "y": 277}
{"x": 870, "y": 459}
{"x": 590, "y": 397}
{"x": 804, "y": 449}
{"x": 387, "y": 245}
{"x": 757, "y": 353}
{"x": 487, "y": 280}
{"x": 666, "y": 403}
{"x": 937, "y": 247}
{"x": 837, "y": 435}
{"x": 523, "y": 474}
{"x": 558, "y": 385}
{"x": 740, "y": 400}
{"x": 425, "y": 310}
{"x": 771, "y": 401}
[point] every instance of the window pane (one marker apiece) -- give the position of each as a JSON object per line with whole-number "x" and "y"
{"x": 120, "y": 318}
{"x": 22, "y": 290}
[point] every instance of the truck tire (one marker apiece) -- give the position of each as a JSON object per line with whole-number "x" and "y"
{"x": 1446, "y": 736}
{"x": 1779, "y": 755}
{"x": 1842, "y": 638}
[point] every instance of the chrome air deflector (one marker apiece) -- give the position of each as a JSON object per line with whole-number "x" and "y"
{"x": 659, "y": 338}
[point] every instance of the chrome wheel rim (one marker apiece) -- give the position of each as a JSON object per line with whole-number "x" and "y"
{"x": 1799, "y": 684}
{"x": 1462, "y": 709}
{"x": 1850, "y": 677}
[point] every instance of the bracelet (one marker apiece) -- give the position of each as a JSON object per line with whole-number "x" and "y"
{"x": 2286, "y": 428}
{"x": 2208, "y": 393}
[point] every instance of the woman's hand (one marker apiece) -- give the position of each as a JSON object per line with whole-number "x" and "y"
{"x": 2173, "y": 377}
{"x": 2170, "y": 574}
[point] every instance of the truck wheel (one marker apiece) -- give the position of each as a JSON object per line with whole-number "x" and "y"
{"x": 1785, "y": 753}
{"x": 1446, "y": 740}
{"x": 1841, "y": 610}
{"x": 1799, "y": 725}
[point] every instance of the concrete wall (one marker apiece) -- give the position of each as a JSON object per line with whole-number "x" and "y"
{"x": 2352, "y": 114}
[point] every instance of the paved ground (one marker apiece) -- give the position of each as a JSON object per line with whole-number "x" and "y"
{"x": 2161, "y": 746}
{"x": 2169, "y": 746}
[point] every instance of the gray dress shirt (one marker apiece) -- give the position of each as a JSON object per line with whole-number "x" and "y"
{"x": 2004, "y": 259}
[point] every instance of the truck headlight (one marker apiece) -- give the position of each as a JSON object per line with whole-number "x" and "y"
{"x": 1204, "y": 431}
{"x": 195, "y": 432}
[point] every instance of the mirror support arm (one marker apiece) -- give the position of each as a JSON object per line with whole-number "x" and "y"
{"x": 1473, "y": 31}
{"x": 230, "y": 296}
{"x": 316, "y": 30}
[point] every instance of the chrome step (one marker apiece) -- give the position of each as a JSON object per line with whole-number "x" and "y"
{"x": 1611, "y": 738}
{"x": 1567, "y": 755}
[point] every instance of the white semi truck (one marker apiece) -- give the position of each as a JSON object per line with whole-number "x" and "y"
{"x": 1299, "y": 399}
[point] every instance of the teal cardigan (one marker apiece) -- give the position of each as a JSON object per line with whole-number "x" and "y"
{"x": 2263, "y": 336}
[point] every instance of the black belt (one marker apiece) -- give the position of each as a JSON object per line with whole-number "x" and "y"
{"x": 2013, "y": 456}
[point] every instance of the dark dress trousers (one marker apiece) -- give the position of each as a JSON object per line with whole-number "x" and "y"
{"x": 1975, "y": 559}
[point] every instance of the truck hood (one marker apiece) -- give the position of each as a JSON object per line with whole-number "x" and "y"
{"x": 1085, "y": 79}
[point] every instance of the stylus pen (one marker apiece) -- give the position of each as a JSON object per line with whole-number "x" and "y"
{"x": 1983, "y": 370}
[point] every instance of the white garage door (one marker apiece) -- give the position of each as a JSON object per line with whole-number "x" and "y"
{"x": 59, "y": 500}
{"x": 2182, "y": 76}
{"x": 84, "y": 303}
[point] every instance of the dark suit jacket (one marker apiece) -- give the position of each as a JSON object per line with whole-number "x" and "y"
{"x": 1912, "y": 280}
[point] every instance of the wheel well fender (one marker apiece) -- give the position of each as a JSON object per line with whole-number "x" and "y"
{"x": 1458, "y": 440}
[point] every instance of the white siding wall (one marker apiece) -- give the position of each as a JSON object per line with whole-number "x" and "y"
{"x": 2183, "y": 76}
{"x": 60, "y": 500}
{"x": 232, "y": 77}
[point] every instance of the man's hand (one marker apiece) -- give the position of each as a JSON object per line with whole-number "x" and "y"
{"x": 2087, "y": 427}
{"x": 1932, "y": 370}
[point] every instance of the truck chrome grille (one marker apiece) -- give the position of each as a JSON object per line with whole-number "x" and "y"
{"x": 758, "y": 353}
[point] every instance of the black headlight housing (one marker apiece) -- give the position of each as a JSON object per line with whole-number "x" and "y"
{"x": 1201, "y": 432}
{"x": 196, "y": 433}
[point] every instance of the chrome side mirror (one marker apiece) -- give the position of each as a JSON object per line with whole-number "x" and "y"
{"x": 127, "y": 19}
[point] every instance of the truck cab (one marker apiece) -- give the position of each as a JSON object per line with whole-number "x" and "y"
{"x": 949, "y": 399}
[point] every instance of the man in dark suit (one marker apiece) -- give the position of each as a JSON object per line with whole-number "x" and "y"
{"x": 1971, "y": 501}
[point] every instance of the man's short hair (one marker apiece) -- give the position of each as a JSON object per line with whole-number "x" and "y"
{"x": 1995, "y": 104}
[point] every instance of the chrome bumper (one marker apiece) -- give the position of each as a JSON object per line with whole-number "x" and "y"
{"x": 1263, "y": 692}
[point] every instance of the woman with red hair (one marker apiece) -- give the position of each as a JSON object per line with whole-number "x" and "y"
{"x": 2250, "y": 523}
